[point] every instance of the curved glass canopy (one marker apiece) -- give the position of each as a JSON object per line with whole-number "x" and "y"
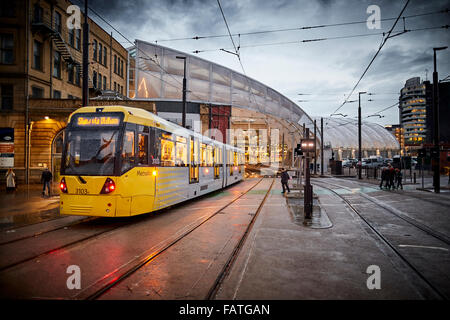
{"x": 158, "y": 75}
{"x": 343, "y": 134}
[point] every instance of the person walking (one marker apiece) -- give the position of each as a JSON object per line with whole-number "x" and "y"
{"x": 399, "y": 178}
{"x": 284, "y": 181}
{"x": 46, "y": 178}
{"x": 391, "y": 177}
{"x": 383, "y": 177}
{"x": 10, "y": 180}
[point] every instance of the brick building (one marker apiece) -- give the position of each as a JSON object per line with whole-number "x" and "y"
{"x": 41, "y": 79}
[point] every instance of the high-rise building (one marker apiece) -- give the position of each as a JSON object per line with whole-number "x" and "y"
{"x": 415, "y": 96}
{"x": 398, "y": 132}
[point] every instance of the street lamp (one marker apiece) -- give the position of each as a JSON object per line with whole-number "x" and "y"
{"x": 359, "y": 136}
{"x": 436, "y": 174}
{"x": 183, "y": 117}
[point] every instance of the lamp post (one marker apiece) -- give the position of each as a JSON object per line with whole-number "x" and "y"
{"x": 359, "y": 136}
{"x": 183, "y": 117}
{"x": 436, "y": 167}
{"x": 85, "y": 92}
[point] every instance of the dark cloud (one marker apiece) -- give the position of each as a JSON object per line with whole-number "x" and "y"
{"x": 316, "y": 67}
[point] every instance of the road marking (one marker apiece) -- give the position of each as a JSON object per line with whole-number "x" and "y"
{"x": 426, "y": 247}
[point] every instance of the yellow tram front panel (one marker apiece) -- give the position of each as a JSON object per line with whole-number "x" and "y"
{"x": 133, "y": 194}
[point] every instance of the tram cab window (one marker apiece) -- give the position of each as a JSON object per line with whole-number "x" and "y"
{"x": 128, "y": 150}
{"x": 167, "y": 150}
{"x": 181, "y": 159}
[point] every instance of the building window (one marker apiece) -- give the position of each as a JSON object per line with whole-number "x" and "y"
{"x": 7, "y": 94}
{"x": 104, "y": 83}
{"x": 38, "y": 13}
{"x": 115, "y": 64}
{"x": 6, "y": 48}
{"x": 95, "y": 49}
{"x": 77, "y": 75}
{"x": 72, "y": 37}
{"x": 100, "y": 81}
{"x": 100, "y": 52}
{"x": 58, "y": 21}
{"x": 7, "y": 9}
{"x": 104, "y": 55}
{"x": 57, "y": 65}
{"x": 37, "y": 55}
{"x": 94, "y": 79}
{"x": 70, "y": 73}
{"x": 37, "y": 92}
{"x": 56, "y": 94}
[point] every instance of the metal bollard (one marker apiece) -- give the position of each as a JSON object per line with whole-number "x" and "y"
{"x": 414, "y": 178}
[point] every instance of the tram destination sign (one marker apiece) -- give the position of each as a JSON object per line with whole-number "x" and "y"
{"x": 88, "y": 120}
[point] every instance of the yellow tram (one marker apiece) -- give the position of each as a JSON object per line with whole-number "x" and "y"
{"x": 121, "y": 161}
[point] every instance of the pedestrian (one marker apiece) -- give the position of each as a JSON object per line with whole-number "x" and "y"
{"x": 399, "y": 178}
{"x": 284, "y": 181}
{"x": 391, "y": 177}
{"x": 46, "y": 178}
{"x": 10, "y": 180}
{"x": 383, "y": 177}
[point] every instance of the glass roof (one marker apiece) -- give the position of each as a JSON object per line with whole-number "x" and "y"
{"x": 343, "y": 133}
{"x": 159, "y": 76}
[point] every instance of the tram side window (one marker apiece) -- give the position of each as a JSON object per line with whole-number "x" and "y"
{"x": 202, "y": 155}
{"x": 128, "y": 150}
{"x": 167, "y": 150}
{"x": 155, "y": 146}
{"x": 181, "y": 159}
{"x": 142, "y": 148}
{"x": 209, "y": 156}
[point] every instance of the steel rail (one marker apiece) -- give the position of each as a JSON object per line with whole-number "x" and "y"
{"x": 117, "y": 278}
{"x": 388, "y": 243}
{"x": 414, "y": 222}
{"x": 227, "y": 267}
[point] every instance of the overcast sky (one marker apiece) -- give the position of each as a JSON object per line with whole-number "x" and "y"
{"x": 327, "y": 70}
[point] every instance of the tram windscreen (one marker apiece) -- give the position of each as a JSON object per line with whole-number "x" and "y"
{"x": 90, "y": 152}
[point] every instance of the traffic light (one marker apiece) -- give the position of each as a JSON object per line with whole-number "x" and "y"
{"x": 422, "y": 153}
{"x": 434, "y": 153}
{"x": 298, "y": 150}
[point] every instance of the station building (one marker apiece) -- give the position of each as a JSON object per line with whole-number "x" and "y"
{"x": 41, "y": 85}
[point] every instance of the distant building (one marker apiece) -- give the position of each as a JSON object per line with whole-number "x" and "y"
{"x": 415, "y": 98}
{"x": 398, "y": 132}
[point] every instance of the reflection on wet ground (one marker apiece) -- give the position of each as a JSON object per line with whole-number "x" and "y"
{"x": 20, "y": 220}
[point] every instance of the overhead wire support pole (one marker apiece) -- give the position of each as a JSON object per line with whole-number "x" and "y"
{"x": 85, "y": 56}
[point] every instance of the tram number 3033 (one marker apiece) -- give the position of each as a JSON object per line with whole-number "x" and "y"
{"x": 82, "y": 191}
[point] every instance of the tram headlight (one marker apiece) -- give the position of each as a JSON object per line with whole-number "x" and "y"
{"x": 63, "y": 185}
{"x": 108, "y": 187}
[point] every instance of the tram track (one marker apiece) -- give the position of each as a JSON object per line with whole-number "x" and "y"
{"x": 111, "y": 280}
{"x": 39, "y": 233}
{"x": 417, "y": 224}
{"x": 76, "y": 242}
{"x": 372, "y": 186}
{"x": 386, "y": 241}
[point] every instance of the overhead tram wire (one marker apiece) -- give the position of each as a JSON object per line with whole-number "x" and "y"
{"x": 150, "y": 58}
{"x": 374, "y": 57}
{"x": 236, "y": 49}
{"x": 322, "y": 39}
{"x": 295, "y": 28}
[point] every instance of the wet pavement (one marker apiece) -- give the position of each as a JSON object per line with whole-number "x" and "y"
{"x": 184, "y": 249}
{"x": 27, "y": 206}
